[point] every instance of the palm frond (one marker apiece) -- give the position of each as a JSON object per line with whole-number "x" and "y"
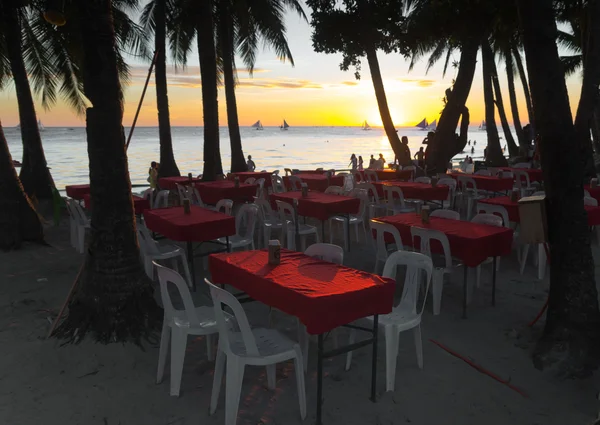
{"x": 572, "y": 64}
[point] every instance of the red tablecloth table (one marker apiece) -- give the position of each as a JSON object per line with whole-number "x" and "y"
{"x": 513, "y": 209}
{"x": 594, "y": 191}
{"x": 200, "y": 225}
{"x": 213, "y": 192}
{"x": 535, "y": 175}
{"x": 472, "y": 243}
{"x": 243, "y": 175}
{"x": 317, "y": 182}
{"x": 170, "y": 183}
{"x": 385, "y": 175}
{"x": 77, "y": 191}
{"x": 491, "y": 184}
{"x": 412, "y": 190}
{"x": 322, "y": 295}
{"x": 139, "y": 204}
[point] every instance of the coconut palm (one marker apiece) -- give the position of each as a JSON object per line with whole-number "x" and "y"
{"x": 494, "y": 151}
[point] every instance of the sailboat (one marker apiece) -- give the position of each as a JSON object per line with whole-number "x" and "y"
{"x": 423, "y": 124}
{"x": 366, "y": 126}
{"x": 432, "y": 126}
{"x": 483, "y": 127}
{"x": 41, "y": 126}
{"x": 284, "y": 126}
{"x": 257, "y": 125}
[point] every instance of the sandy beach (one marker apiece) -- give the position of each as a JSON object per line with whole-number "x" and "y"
{"x": 44, "y": 381}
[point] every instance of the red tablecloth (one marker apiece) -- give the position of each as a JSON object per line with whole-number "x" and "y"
{"x": 77, "y": 191}
{"x": 513, "y": 210}
{"x": 322, "y": 295}
{"x": 492, "y": 184}
{"x": 317, "y": 182}
{"x": 170, "y": 183}
{"x": 319, "y": 205}
{"x": 319, "y": 172}
{"x": 470, "y": 242}
{"x": 385, "y": 175}
{"x": 199, "y": 225}
{"x": 139, "y": 204}
{"x": 252, "y": 174}
{"x": 535, "y": 175}
{"x": 213, "y": 192}
{"x": 594, "y": 191}
{"x": 412, "y": 190}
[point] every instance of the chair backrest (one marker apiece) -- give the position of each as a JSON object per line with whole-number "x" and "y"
{"x": 348, "y": 182}
{"x": 497, "y": 210}
{"x": 371, "y": 191}
{"x": 449, "y": 214}
{"x": 425, "y": 180}
{"x": 162, "y": 199}
{"x": 494, "y": 171}
{"x": 522, "y": 165}
{"x": 148, "y": 194}
{"x": 586, "y": 193}
{"x": 224, "y": 206}
{"x": 416, "y": 264}
{"x": 260, "y": 190}
{"x": 148, "y": 245}
{"x": 361, "y": 194}
{"x": 182, "y": 192}
{"x": 522, "y": 179}
{"x": 451, "y": 183}
{"x": 250, "y": 180}
{"x": 245, "y": 220}
{"x": 410, "y": 167}
{"x": 589, "y": 201}
{"x": 428, "y": 235}
{"x": 334, "y": 190}
{"x": 371, "y": 176}
{"x": 166, "y": 276}
{"x": 286, "y": 215}
{"x": 359, "y": 177}
{"x": 489, "y": 219}
{"x": 194, "y": 196}
{"x": 503, "y": 174}
{"x": 483, "y": 173}
{"x": 394, "y": 195}
{"x": 380, "y": 230}
{"x": 76, "y": 212}
{"x": 331, "y": 172}
{"x": 326, "y": 252}
{"x": 288, "y": 171}
{"x": 276, "y": 172}
{"x": 539, "y": 193}
{"x": 265, "y": 212}
{"x": 466, "y": 183}
{"x": 221, "y": 297}
{"x": 277, "y": 183}
{"x": 295, "y": 183}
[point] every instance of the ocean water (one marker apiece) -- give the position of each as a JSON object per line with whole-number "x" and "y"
{"x": 271, "y": 148}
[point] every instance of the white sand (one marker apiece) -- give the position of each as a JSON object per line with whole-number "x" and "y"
{"x": 44, "y": 383}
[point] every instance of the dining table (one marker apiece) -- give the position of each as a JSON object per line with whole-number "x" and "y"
{"x": 139, "y": 204}
{"x": 416, "y": 190}
{"x": 322, "y": 295}
{"x": 471, "y": 243}
{"x": 316, "y": 182}
{"x": 213, "y": 192}
{"x": 244, "y": 175}
{"x": 488, "y": 183}
{"x": 77, "y": 191}
{"x": 170, "y": 183}
{"x": 535, "y": 174}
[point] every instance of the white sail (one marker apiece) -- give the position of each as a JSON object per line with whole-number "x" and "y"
{"x": 432, "y": 126}
{"x": 366, "y": 126}
{"x": 423, "y": 124}
{"x": 483, "y": 126}
{"x": 257, "y": 125}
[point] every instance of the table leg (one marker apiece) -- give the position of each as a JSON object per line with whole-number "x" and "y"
{"x": 227, "y": 242}
{"x": 319, "y": 378}
{"x": 465, "y": 289}
{"x": 494, "y": 282}
{"x": 190, "y": 255}
{"x": 323, "y": 231}
{"x": 374, "y": 359}
{"x": 348, "y": 230}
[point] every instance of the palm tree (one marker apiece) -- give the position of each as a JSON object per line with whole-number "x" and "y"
{"x": 526, "y": 92}
{"x": 154, "y": 19}
{"x": 571, "y": 335}
{"x": 114, "y": 298}
{"x": 494, "y": 151}
{"x": 512, "y": 94}
{"x": 18, "y": 219}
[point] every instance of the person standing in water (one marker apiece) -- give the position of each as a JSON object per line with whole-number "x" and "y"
{"x": 353, "y": 162}
{"x": 250, "y": 164}
{"x": 420, "y": 156}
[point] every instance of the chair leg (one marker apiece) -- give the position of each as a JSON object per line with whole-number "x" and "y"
{"x": 349, "y": 355}
{"x": 165, "y": 338}
{"x": 186, "y": 269}
{"x": 303, "y": 342}
{"x": 330, "y": 232}
{"x": 209, "y": 347}
{"x": 178, "y": 345}
{"x": 298, "y": 361}
{"x": 271, "y": 376}
{"x": 81, "y": 239}
{"x": 217, "y": 380}
{"x": 233, "y": 389}
{"x": 478, "y": 278}
{"x": 418, "y": 345}
{"x": 356, "y": 231}
{"x": 345, "y": 227}
{"x": 436, "y": 291}
{"x": 391, "y": 354}
{"x": 524, "y": 257}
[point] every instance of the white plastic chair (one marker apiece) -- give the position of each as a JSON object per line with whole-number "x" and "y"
{"x": 469, "y": 193}
{"x": 371, "y": 176}
{"x": 78, "y": 222}
{"x": 522, "y": 165}
{"x": 334, "y": 190}
{"x": 590, "y": 202}
{"x": 286, "y": 216}
{"x": 162, "y": 199}
{"x": 353, "y": 219}
{"x": 254, "y": 347}
{"x": 359, "y": 177}
{"x": 411, "y": 168}
{"x": 382, "y": 252}
{"x": 277, "y": 184}
{"x": 449, "y": 214}
{"x": 224, "y": 206}
{"x": 245, "y": 223}
{"x": 152, "y": 251}
{"x": 376, "y": 208}
{"x": 483, "y": 173}
{"x": 260, "y": 191}
{"x": 288, "y": 171}
{"x": 406, "y": 315}
{"x": 425, "y": 180}
{"x": 178, "y": 324}
{"x": 148, "y": 195}
{"x": 182, "y": 192}
{"x": 445, "y": 260}
{"x": 295, "y": 183}
{"x": 523, "y": 183}
{"x": 250, "y": 180}
{"x": 395, "y": 200}
{"x": 268, "y": 220}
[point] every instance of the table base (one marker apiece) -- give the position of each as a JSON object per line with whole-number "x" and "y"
{"x": 190, "y": 256}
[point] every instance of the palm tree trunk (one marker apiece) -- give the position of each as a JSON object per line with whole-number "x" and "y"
{"x": 512, "y": 95}
{"x": 589, "y": 87}
{"x": 527, "y": 93}
{"x": 494, "y": 151}
{"x": 445, "y": 145}
{"x": 571, "y": 339}
{"x": 226, "y": 27}
{"x": 114, "y": 298}
{"x": 513, "y": 149}
{"x": 35, "y": 174}
{"x": 18, "y": 220}
{"x": 596, "y": 130}
{"x": 210, "y": 102}
{"x": 168, "y": 166}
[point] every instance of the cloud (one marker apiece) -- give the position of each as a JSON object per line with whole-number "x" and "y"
{"x": 350, "y": 83}
{"x": 278, "y": 84}
{"x": 420, "y": 82}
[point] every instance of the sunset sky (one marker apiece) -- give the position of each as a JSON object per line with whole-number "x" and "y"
{"x": 313, "y": 93}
